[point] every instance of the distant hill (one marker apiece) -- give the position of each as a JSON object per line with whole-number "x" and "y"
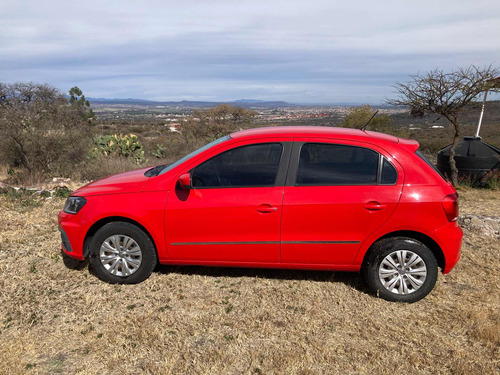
{"x": 247, "y": 103}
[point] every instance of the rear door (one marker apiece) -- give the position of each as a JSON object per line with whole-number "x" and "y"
{"x": 336, "y": 194}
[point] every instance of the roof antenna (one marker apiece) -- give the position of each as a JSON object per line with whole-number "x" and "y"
{"x": 371, "y": 118}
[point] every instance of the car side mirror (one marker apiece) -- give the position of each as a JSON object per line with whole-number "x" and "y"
{"x": 185, "y": 181}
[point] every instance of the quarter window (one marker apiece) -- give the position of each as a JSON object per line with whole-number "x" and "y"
{"x": 246, "y": 166}
{"x": 389, "y": 173}
{"x": 333, "y": 164}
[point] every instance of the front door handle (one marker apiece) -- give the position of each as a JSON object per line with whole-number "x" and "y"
{"x": 374, "y": 206}
{"x": 266, "y": 208}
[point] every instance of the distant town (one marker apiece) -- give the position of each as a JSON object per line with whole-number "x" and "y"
{"x": 173, "y": 114}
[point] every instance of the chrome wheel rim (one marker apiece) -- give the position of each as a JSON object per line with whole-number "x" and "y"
{"x": 402, "y": 272}
{"x": 120, "y": 255}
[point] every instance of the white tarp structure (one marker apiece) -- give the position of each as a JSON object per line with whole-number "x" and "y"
{"x": 492, "y": 84}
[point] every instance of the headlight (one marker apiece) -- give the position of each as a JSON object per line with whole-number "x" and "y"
{"x": 74, "y": 204}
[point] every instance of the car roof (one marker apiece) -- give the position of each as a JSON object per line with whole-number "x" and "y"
{"x": 315, "y": 131}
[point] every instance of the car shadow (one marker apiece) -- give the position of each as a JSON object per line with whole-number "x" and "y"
{"x": 72, "y": 263}
{"x": 351, "y": 279}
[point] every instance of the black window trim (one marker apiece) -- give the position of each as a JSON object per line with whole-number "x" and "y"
{"x": 280, "y": 175}
{"x": 379, "y": 170}
{"x": 295, "y": 158}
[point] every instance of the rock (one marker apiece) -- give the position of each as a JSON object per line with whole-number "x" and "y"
{"x": 495, "y": 224}
{"x": 476, "y": 222}
{"x": 486, "y": 226}
{"x": 487, "y": 231}
{"x": 61, "y": 180}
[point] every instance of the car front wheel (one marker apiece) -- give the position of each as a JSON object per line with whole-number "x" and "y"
{"x": 401, "y": 270}
{"x": 122, "y": 253}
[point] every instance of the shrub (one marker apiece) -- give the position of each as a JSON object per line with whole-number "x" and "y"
{"x": 62, "y": 192}
{"x": 102, "y": 166}
{"x": 41, "y": 133}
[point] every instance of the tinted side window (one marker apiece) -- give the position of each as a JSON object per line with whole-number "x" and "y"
{"x": 247, "y": 166}
{"x": 332, "y": 164}
{"x": 389, "y": 173}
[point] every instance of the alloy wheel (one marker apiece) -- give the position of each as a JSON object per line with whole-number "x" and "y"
{"x": 120, "y": 255}
{"x": 402, "y": 272}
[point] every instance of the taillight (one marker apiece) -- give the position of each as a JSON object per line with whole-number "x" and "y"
{"x": 450, "y": 206}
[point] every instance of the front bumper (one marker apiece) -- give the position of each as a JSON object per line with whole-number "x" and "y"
{"x": 66, "y": 245}
{"x": 72, "y": 234}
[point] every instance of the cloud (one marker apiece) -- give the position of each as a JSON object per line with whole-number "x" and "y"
{"x": 315, "y": 51}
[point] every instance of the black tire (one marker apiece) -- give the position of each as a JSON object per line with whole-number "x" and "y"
{"x": 401, "y": 284}
{"x": 131, "y": 263}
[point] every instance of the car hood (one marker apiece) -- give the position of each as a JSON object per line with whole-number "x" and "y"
{"x": 128, "y": 182}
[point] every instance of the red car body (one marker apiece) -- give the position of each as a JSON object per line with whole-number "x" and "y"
{"x": 286, "y": 225}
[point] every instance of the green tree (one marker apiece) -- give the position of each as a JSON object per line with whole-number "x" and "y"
{"x": 358, "y": 116}
{"x": 206, "y": 125}
{"x": 446, "y": 94}
{"x": 78, "y": 100}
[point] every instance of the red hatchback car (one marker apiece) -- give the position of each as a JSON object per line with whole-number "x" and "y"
{"x": 284, "y": 197}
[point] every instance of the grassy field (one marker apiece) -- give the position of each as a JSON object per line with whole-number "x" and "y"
{"x": 193, "y": 320}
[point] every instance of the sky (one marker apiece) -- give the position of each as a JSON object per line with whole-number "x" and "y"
{"x": 308, "y": 51}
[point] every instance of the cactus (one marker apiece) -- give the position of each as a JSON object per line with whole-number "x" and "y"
{"x": 159, "y": 151}
{"x": 127, "y": 146}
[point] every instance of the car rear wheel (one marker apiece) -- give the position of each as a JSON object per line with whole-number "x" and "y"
{"x": 401, "y": 270}
{"x": 122, "y": 253}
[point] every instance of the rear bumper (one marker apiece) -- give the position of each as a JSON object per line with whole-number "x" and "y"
{"x": 449, "y": 239}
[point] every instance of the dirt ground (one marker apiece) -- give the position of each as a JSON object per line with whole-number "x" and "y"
{"x": 193, "y": 320}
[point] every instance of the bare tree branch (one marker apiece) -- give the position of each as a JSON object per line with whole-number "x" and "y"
{"x": 446, "y": 94}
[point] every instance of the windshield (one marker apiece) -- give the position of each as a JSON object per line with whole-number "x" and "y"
{"x": 194, "y": 153}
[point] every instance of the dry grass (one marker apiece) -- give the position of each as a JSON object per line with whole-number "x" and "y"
{"x": 236, "y": 321}
{"x": 483, "y": 202}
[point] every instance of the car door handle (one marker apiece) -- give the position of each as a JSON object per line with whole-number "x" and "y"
{"x": 374, "y": 206}
{"x": 266, "y": 208}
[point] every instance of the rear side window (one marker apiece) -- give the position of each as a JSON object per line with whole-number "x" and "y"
{"x": 333, "y": 164}
{"x": 247, "y": 166}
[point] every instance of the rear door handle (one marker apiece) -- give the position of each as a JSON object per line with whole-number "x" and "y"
{"x": 266, "y": 208}
{"x": 374, "y": 206}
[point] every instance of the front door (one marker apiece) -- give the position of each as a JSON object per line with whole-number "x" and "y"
{"x": 232, "y": 213}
